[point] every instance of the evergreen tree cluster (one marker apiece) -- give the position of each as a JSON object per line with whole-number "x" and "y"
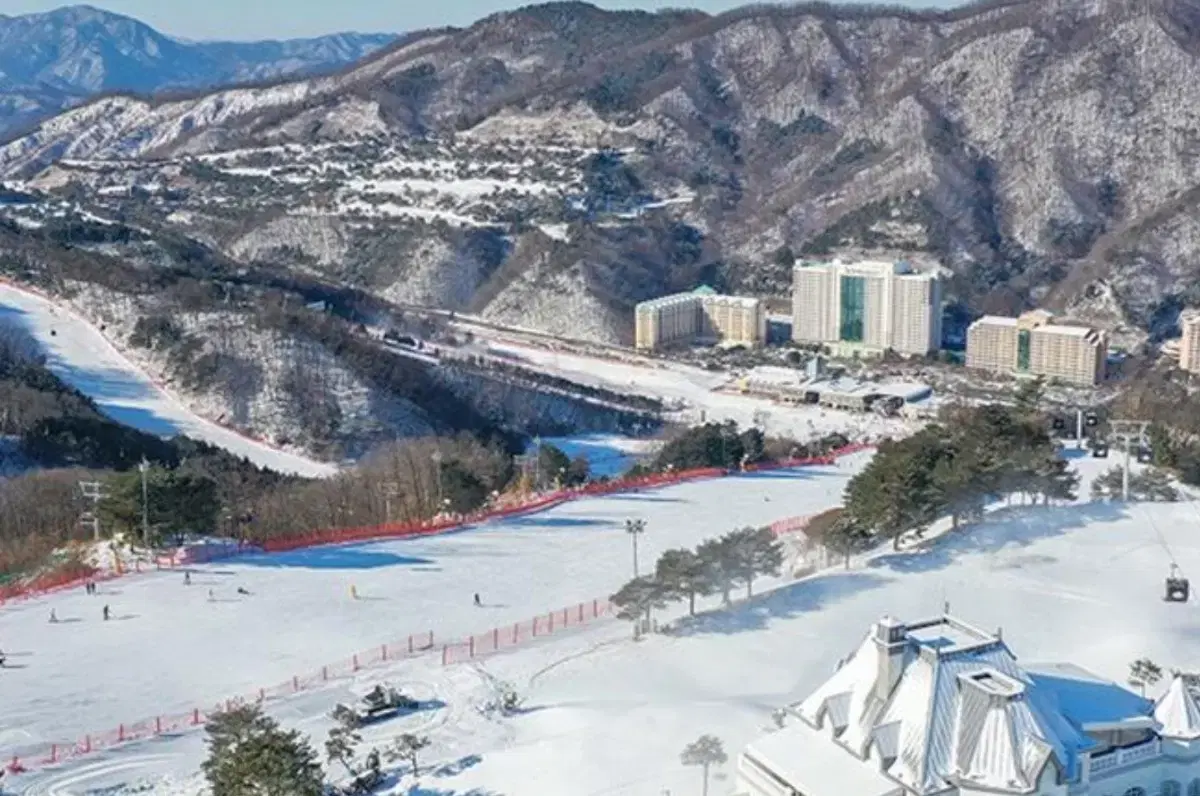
{"x": 729, "y": 447}
{"x": 716, "y": 566}
{"x": 954, "y": 467}
{"x": 1147, "y": 485}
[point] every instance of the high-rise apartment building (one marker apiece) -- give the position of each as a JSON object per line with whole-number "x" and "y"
{"x": 1189, "y": 345}
{"x": 867, "y": 307}
{"x": 701, "y": 315}
{"x": 1034, "y": 344}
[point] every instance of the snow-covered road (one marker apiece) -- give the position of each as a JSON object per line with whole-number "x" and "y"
{"x": 80, "y": 355}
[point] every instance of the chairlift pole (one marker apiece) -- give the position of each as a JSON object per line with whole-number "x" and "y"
{"x": 1128, "y": 432}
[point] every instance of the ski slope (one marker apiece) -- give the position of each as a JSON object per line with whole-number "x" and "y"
{"x": 170, "y": 649}
{"x": 80, "y": 355}
{"x": 609, "y": 716}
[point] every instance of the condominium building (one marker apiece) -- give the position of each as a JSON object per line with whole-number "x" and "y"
{"x": 1189, "y": 344}
{"x": 702, "y": 315}
{"x": 941, "y": 708}
{"x": 867, "y": 307}
{"x": 1033, "y": 343}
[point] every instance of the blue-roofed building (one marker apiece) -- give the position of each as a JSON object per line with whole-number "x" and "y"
{"x": 941, "y": 707}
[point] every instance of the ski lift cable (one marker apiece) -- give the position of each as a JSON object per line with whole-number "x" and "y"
{"x": 1161, "y": 539}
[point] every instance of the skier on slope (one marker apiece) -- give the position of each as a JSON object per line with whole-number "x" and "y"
{"x": 53, "y": 617}
{"x": 187, "y": 579}
{"x": 242, "y": 591}
{"x": 107, "y": 614}
{"x": 478, "y": 602}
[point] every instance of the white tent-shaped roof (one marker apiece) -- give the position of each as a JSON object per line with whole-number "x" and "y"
{"x": 1177, "y": 712}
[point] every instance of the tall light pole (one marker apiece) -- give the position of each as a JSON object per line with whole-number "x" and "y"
{"x": 635, "y": 528}
{"x": 143, "y": 466}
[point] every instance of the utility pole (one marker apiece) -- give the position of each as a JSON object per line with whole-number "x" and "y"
{"x": 437, "y": 463}
{"x": 1129, "y": 432}
{"x": 1078, "y": 429}
{"x": 143, "y": 466}
{"x": 635, "y": 528}
{"x": 93, "y": 491}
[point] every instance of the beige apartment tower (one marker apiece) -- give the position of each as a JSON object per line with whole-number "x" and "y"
{"x": 1189, "y": 344}
{"x": 701, "y": 315}
{"x": 1034, "y": 344}
{"x": 868, "y": 307}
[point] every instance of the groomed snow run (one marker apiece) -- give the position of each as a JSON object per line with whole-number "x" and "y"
{"x": 81, "y": 356}
{"x": 170, "y": 649}
{"x": 608, "y": 716}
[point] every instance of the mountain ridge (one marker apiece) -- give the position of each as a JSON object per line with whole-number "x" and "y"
{"x": 1044, "y": 152}
{"x": 55, "y": 59}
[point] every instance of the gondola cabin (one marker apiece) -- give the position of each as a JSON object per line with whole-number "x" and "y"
{"x": 1178, "y": 587}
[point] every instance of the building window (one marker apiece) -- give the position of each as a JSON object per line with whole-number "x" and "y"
{"x": 1170, "y": 788}
{"x": 1023, "y": 346}
{"x": 1194, "y": 788}
{"x": 854, "y": 309}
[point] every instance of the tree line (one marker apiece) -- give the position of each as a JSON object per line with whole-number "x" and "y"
{"x": 954, "y": 467}
{"x": 716, "y": 566}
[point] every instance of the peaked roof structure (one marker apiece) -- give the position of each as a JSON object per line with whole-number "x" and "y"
{"x": 1177, "y": 711}
{"x": 939, "y": 704}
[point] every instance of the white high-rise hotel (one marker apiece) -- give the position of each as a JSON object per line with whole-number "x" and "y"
{"x": 867, "y": 307}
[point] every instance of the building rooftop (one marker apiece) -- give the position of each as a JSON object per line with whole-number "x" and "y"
{"x": 939, "y": 702}
{"x": 697, "y": 296}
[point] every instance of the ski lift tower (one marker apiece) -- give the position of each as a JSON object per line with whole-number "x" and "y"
{"x": 1129, "y": 433}
{"x": 90, "y": 517}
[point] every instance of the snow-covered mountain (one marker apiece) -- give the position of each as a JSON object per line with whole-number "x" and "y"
{"x": 53, "y": 60}
{"x": 1045, "y": 151}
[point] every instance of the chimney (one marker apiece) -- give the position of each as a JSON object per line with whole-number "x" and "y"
{"x": 890, "y": 639}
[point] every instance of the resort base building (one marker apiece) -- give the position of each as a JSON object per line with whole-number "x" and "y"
{"x": 866, "y": 307}
{"x": 1034, "y": 344}
{"x": 700, "y": 316}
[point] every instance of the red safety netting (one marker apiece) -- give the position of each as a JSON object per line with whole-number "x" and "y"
{"x": 58, "y": 581}
{"x": 501, "y": 638}
{"x": 491, "y": 642}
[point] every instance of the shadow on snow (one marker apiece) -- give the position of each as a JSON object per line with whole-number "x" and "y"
{"x": 333, "y": 558}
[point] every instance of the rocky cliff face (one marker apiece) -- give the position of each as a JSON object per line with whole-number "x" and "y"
{"x": 1046, "y": 151}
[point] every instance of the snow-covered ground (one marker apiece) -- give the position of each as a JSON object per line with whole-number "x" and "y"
{"x": 170, "y": 648}
{"x": 80, "y": 355}
{"x": 607, "y": 454}
{"x": 607, "y": 715}
{"x": 695, "y": 388}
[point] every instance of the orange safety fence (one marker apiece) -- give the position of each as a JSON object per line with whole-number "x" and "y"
{"x": 167, "y": 725}
{"x": 50, "y": 584}
{"x": 491, "y": 642}
{"x": 790, "y": 525}
{"x": 501, "y": 638}
{"x": 175, "y": 724}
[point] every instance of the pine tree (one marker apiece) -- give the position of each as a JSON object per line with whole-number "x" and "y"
{"x": 343, "y": 741}
{"x": 250, "y": 755}
{"x": 1144, "y": 672}
{"x": 407, "y": 747}
{"x": 842, "y": 536}
{"x": 706, "y": 752}
{"x": 717, "y": 558}
{"x": 683, "y": 575}
{"x": 637, "y": 598}
{"x": 753, "y": 552}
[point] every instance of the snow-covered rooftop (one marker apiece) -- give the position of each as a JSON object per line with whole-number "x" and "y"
{"x": 939, "y": 702}
{"x": 1178, "y": 712}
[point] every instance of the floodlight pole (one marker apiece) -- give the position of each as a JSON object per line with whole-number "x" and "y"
{"x": 635, "y": 528}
